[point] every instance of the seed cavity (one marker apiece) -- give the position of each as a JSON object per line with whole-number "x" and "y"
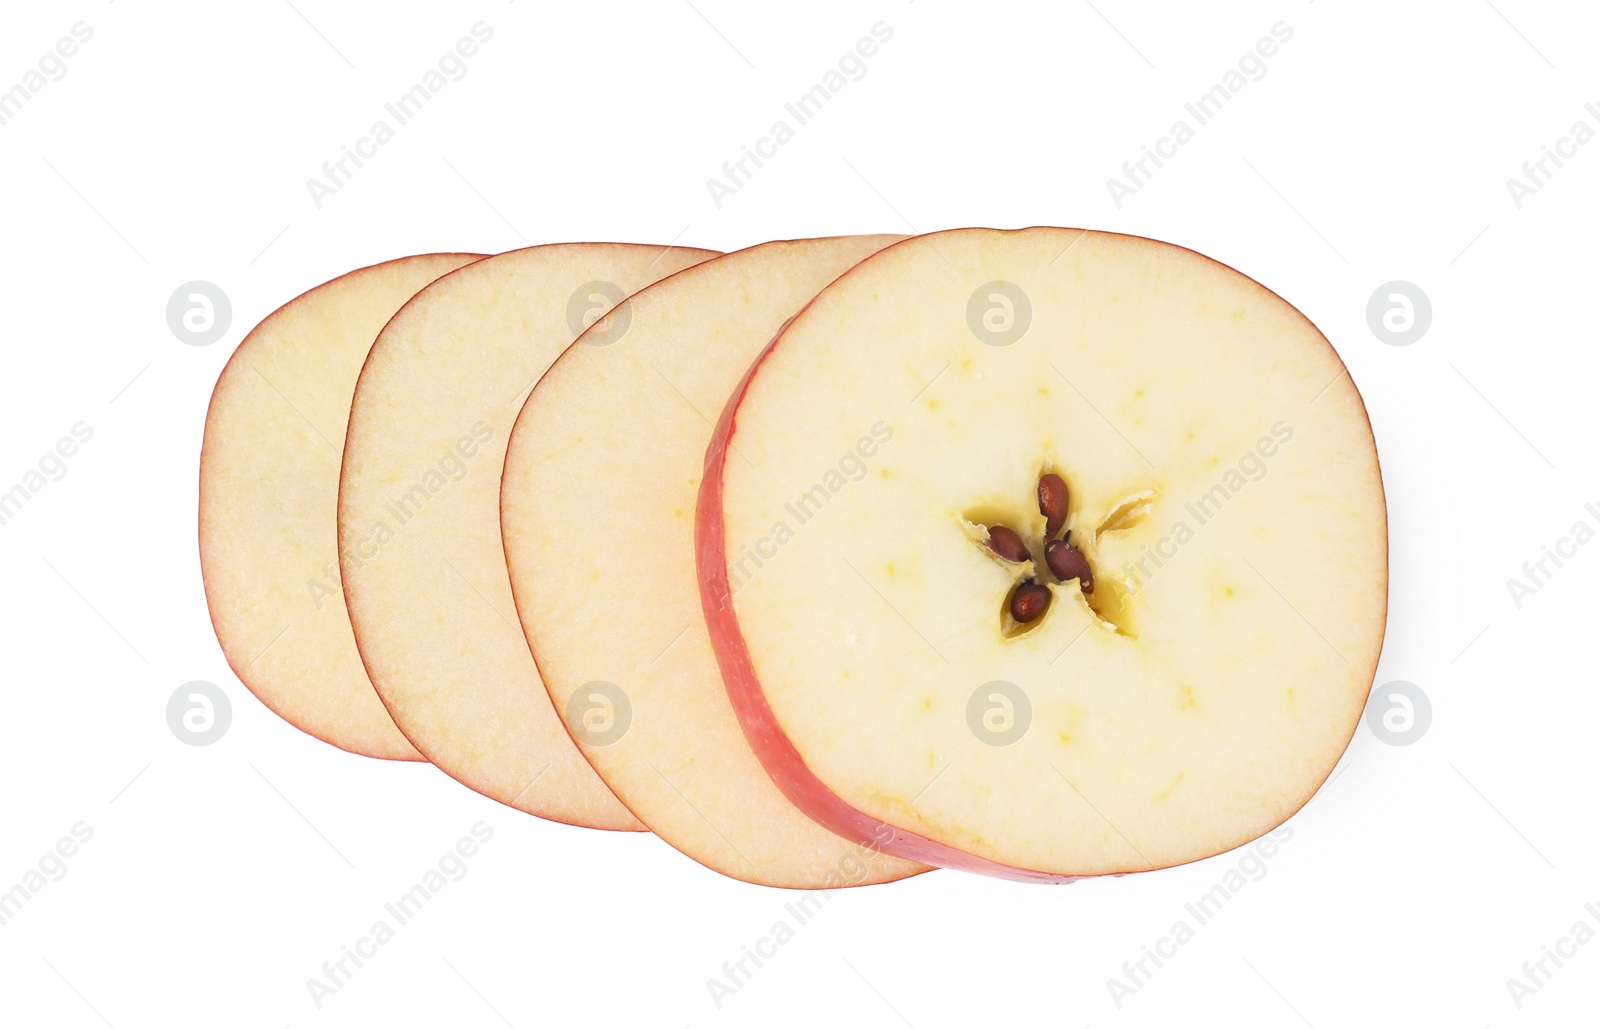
{"x": 1128, "y": 513}
{"x": 1032, "y": 592}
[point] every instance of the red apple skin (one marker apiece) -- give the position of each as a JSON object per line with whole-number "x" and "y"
{"x": 772, "y": 746}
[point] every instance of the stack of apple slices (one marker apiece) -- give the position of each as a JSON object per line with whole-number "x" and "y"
{"x": 1042, "y": 553}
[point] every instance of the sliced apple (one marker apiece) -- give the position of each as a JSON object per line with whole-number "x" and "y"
{"x": 598, "y": 508}
{"x": 269, "y": 484}
{"x": 1221, "y": 485}
{"x": 419, "y": 516}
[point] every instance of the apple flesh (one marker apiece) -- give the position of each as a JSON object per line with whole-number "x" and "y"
{"x": 1222, "y": 486}
{"x": 420, "y": 550}
{"x": 597, "y": 508}
{"x": 269, "y": 484}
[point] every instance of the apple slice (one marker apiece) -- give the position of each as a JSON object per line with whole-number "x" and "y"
{"x": 269, "y": 483}
{"x": 886, "y": 650}
{"x": 597, "y": 507}
{"x": 419, "y": 516}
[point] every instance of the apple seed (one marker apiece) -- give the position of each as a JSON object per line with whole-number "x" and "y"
{"x": 1008, "y": 544}
{"x": 1053, "y": 503}
{"x": 1029, "y": 602}
{"x": 1068, "y": 562}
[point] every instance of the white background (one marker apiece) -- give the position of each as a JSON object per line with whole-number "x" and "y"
{"x": 1376, "y": 148}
